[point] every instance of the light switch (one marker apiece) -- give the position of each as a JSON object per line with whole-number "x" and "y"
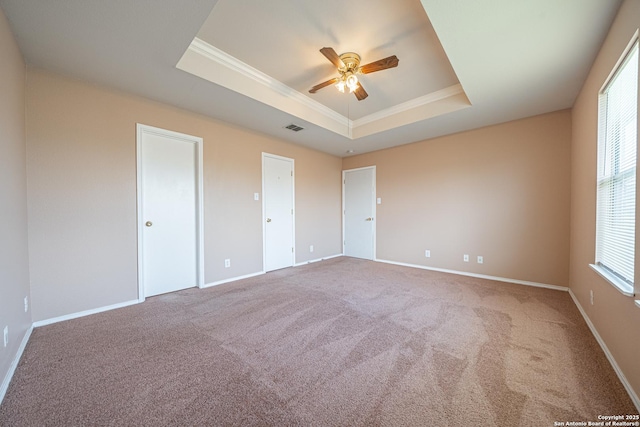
{"x": 379, "y": 201}
{"x": 256, "y": 196}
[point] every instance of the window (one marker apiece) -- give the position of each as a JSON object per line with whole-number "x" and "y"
{"x": 616, "y": 206}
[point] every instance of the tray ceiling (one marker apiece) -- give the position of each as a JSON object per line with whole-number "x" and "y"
{"x": 462, "y": 65}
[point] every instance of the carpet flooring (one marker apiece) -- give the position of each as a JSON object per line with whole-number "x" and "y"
{"x": 343, "y": 342}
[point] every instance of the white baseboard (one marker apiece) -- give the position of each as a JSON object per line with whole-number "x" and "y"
{"x": 247, "y": 276}
{"x": 479, "y": 276}
{"x": 317, "y": 260}
{"x": 83, "y": 313}
{"x": 231, "y": 279}
{"x": 614, "y": 364}
{"x": 12, "y": 368}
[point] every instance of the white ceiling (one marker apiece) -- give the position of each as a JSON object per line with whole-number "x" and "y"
{"x": 463, "y": 63}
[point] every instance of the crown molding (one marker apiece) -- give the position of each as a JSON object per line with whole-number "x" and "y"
{"x": 410, "y": 105}
{"x": 310, "y": 107}
{"x": 213, "y": 53}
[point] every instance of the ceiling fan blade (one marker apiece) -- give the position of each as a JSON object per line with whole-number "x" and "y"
{"x": 382, "y": 64}
{"x": 323, "y": 84}
{"x": 332, "y": 56}
{"x": 360, "y": 92}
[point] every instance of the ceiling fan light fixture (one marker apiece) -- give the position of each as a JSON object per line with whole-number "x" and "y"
{"x": 352, "y": 82}
{"x": 340, "y": 85}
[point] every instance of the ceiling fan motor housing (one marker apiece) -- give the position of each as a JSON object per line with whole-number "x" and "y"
{"x": 351, "y": 61}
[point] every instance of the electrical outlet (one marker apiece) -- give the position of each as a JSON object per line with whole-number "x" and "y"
{"x": 227, "y": 263}
{"x": 480, "y": 259}
{"x": 310, "y": 248}
{"x": 6, "y": 336}
{"x": 465, "y": 258}
{"x": 591, "y": 296}
{"x": 427, "y": 253}
{"x": 26, "y": 304}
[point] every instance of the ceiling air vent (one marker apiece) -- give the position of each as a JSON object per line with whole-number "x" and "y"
{"x": 294, "y": 128}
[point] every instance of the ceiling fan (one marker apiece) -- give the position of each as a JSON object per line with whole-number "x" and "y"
{"x": 348, "y": 65}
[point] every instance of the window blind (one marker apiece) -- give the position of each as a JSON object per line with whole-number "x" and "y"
{"x": 616, "y": 193}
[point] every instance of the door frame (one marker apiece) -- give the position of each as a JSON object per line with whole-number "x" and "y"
{"x": 264, "y": 210}
{"x": 373, "y": 208}
{"x": 141, "y": 130}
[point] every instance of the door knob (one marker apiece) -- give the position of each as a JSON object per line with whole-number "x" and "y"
{"x": 369, "y": 219}
{"x": 268, "y": 219}
{"x": 148, "y": 223}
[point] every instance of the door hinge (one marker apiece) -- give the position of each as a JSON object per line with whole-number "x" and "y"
{"x": 291, "y": 211}
{"x": 291, "y": 173}
{"x": 291, "y": 250}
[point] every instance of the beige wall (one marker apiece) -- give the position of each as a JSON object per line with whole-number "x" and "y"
{"x": 501, "y": 192}
{"x": 14, "y": 269}
{"x": 82, "y": 193}
{"x": 614, "y": 315}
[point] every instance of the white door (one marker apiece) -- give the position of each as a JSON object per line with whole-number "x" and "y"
{"x": 359, "y": 212}
{"x": 168, "y": 211}
{"x": 277, "y": 181}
